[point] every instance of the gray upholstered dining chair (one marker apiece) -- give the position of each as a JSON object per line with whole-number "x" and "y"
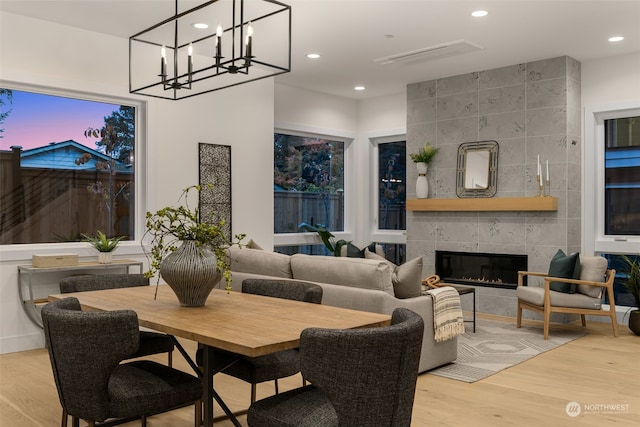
{"x": 150, "y": 342}
{"x": 270, "y": 367}
{"x": 359, "y": 377}
{"x": 86, "y": 348}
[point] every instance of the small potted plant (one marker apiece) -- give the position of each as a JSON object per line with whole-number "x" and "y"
{"x": 422, "y": 159}
{"x": 425, "y": 154}
{"x": 632, "y": 282}
{"x": 189, "y": 253}
{"x": 105, "y": 245}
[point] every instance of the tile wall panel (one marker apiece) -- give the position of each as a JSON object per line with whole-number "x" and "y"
{"x": 531, "y": 110}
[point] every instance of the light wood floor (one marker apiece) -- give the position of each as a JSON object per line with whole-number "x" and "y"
{"x": 597, "y": 370}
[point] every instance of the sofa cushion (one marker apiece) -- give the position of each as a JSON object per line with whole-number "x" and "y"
{"x": 406, "y": 278}
{"x": 564, "y": 266}
{"x": 351, "y": 250}
{"x": 592, "y": 268}
{"x": 355, "y": 272}
{"x": 256, "y": 261}
{"x": 535, "y": 296}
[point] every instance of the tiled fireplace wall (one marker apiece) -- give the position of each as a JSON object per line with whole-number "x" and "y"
{"x": 529, "y": 109}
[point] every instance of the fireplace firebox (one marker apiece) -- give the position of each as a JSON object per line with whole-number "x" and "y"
{"x": 480, "y": 269}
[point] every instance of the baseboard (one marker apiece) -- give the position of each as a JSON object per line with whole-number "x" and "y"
{"x": 21, "y": 343}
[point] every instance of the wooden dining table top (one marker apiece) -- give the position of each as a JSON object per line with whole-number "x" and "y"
{"x": 246, "y": 324}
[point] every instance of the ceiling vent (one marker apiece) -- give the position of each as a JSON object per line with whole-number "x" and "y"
{"x": 444, "y": 50}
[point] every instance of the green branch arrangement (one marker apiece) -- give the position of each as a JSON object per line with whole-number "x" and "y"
{"x": 170, "y": 225}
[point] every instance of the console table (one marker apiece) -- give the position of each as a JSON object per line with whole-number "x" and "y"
{"x": 30, "y": 297}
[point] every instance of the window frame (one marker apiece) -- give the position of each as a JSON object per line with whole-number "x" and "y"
{"x": 376, "y": 234}
{"x": 24, "y": 251}
{"x": 593, "y": 180}
{"x": 309, "y": 238}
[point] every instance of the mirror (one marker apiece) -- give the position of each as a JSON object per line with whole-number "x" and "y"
{"x": 477, "y": 169}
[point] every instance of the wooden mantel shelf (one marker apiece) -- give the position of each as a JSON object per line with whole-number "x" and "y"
{"x": 484, "y": 204}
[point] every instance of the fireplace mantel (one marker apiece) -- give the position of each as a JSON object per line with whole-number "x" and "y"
{"x": 484, "y": 204}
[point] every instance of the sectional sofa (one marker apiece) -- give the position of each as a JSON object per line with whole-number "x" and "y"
{"x": 373, "y": 285}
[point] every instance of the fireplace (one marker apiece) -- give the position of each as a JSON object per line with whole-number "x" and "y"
{"x": 480, "y": 269}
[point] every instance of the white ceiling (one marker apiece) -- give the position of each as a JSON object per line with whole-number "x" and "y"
{"x": 350, "y": 34}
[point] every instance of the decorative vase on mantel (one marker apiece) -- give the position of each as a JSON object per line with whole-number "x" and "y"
{"x": 422, "y": 185}
{"x": 191, "y": 272}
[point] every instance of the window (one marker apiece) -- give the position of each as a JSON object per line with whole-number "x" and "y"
{"x": 611, "y": 199}
{"x": 389, "y": 193}
{"x": 309, "y": 187}
{"x": 622, "y": 176}
{"x": 68, "y": 165}
{"x": 611, "y": 175}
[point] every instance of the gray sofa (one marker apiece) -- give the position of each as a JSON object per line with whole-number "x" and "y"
{"x": 356, "y": 283}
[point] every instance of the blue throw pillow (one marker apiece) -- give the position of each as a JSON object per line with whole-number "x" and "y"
{"x": 565, "y": 266}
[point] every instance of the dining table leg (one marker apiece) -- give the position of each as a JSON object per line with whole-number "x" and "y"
{"x": 209, "y": 393}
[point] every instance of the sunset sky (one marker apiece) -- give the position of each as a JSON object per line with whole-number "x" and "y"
{"x": 36, "y": 120}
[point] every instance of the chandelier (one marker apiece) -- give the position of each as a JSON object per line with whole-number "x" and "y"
{"x": 212, "y": 46}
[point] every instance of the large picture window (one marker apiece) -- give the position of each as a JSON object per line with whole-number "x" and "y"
{"x": 68, "y": 167}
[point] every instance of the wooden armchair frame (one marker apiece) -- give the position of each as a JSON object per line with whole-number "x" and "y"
{"x": 547, "y": 308}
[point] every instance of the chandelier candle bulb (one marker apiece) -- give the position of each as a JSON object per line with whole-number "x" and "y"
{"x": 249, "y": 40}
{"x": 163, "y": 62}
{"x": 218, "y": 43}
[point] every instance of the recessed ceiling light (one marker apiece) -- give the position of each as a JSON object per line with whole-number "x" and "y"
{"x": 200, "y": 25}
{"x": 313, "y": 55}
{"x": 616, "y": 39}
{"x": 479, "y": 13}
{"x": 359, "y": 88}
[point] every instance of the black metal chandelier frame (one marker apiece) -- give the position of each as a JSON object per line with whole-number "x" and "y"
{"x": 239, "y": 64}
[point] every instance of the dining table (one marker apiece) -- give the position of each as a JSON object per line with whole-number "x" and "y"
{"x": 245, "y": 324}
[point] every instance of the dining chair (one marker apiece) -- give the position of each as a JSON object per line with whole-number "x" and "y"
{"x": 86, "y": 348}
{"x": 150, "y": 342}
{"x": 359, "y": 378}
{"x": 270, "y": 367}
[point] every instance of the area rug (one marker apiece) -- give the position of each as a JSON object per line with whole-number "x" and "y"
{"x": 496, "y": 346}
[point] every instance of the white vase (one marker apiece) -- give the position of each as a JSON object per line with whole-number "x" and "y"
{"x": 422, "y": 185}
{"x": 105, "y": 257}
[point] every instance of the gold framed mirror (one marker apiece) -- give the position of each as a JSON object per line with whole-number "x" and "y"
{"x": 477, "y": 169}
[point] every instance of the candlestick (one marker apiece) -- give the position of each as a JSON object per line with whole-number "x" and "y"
{"x": 548, "y": 179}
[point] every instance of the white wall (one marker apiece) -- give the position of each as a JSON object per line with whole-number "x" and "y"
{"x": 42, "y": 53}
{"x": 612, "y": 79}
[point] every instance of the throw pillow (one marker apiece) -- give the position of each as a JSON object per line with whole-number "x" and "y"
{"x": 593, "y": 269}
{"x": 352, "y": 251}
{"x": 406, "y": 278}
{"x": 564, "y": 266}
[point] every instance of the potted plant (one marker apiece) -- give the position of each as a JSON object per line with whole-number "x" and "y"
{"x": 632, "y": 282}
{"x": 105, "y": 245}
{"x": 189, "y": 253}
{"x": 422, "y": 159}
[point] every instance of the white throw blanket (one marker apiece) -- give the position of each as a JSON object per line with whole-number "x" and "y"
{"x": 447, "y": 313}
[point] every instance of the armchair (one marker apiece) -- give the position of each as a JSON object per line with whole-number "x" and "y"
{"x": 150, "y": 342}
{"x": 594, "y": 281}
{"x": 86, "y": 349}
{"x": 360, "y": 378}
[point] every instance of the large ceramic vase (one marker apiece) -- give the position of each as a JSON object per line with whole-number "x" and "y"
{"x": 191, "y": 272}
{"x": 634, "y": 321}
{"x": 422, "y": 185}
